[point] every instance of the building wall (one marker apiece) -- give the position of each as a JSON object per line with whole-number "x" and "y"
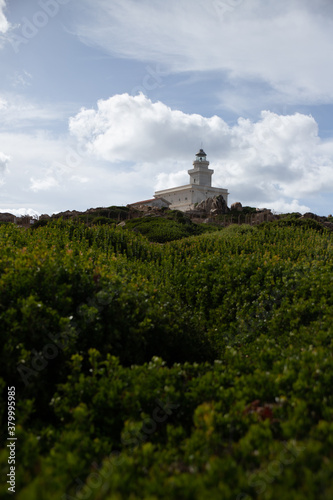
{"x": 158, "y": 202}
{"x": 185, "y": 197}
{"x": 200, "y": 187}
{"x": 201, "y": 174}
{"x": 201, "y": 193}
{"x": 180, "y": 198}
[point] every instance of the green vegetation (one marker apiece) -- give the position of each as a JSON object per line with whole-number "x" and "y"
{"x": 200, "y": 368}
{"x": 109, "y": 215}
{"x": 172, "y": 225}
{"x": 94, "y": 216}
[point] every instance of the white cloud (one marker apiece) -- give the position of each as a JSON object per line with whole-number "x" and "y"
{"x": 19, "y": 212}
{"x": 128, "y": 128}
{"x": 165, "y": 180}
{"x": 4, "y": 160}
{"x": 284, "y": 207}
{"x": 51, "y": 174}
{"x": 4, "y": 24}
{"x": 17, "y": 113}
{"x": 21, "y": 79}
{"x": 128, "y": 147}
{"x": 278, "y": 161}
{"x": 43, "y": 184}
{"x": 287, "y": 45}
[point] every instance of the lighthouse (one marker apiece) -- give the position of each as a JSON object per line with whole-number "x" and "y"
{"x": 200, "y": 174}
{"x": 199, "y": 188}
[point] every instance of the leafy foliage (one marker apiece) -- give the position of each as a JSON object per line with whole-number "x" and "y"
{"x": 200, "y": 368}
{"x": 174, "y": 225}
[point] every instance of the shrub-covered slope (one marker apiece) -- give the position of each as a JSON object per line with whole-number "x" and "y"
{"x": 201, "y": 368}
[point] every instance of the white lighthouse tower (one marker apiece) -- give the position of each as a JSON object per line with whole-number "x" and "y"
{"x": 200, "y": 173}
{"x": 199, "y": 189}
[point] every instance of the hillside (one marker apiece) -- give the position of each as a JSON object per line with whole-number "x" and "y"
{"x": 162, "y": 225}
{"x": 197, "y": 368}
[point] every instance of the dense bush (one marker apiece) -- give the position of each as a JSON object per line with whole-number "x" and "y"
{"x": 103, "y": 220}
{"x": 293, "y": 221}
{"x": 160, "y": 229}
{"x": 201, "y": 368}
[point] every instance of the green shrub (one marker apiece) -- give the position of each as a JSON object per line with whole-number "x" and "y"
{"x": 200, "y": 368}
{"x": 160, "y": 230}
{"x": 103, "y": 220}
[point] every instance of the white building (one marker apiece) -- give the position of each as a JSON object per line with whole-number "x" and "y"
{"x": 200, "y": 187}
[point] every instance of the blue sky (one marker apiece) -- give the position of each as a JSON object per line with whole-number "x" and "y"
{"x": 104, "y": 102}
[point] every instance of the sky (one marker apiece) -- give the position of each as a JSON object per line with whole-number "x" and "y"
{"x": 103, "y": 103}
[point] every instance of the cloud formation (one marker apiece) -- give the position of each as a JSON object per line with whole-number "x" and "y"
{"x": 133, "y": 128}
{"x": 286, "y": 45}
{"x": 276, "y": 161}
{"x": 19, "y": 113}
{"x": 129, "y": 146}
{"x": 19, "y": 212}
{"x": 4, "y": 160}
{"x": 4, "y": 24}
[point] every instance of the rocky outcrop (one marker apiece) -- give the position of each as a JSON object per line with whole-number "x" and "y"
{"x": 263, "y": 215}
{"x": 237, "y": 206}
{"x": 6, "y": 217}
{"x": 310, "y": 215}
{"x": 68, "y": 214}
{"x": 214, "y": 206}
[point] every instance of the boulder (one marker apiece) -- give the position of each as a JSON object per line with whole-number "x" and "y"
{"x": 310, "y": 215}
{"x": 237, "y": 206}
{"x": 6, "y": 217}
{"x": 216, "y": 205}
